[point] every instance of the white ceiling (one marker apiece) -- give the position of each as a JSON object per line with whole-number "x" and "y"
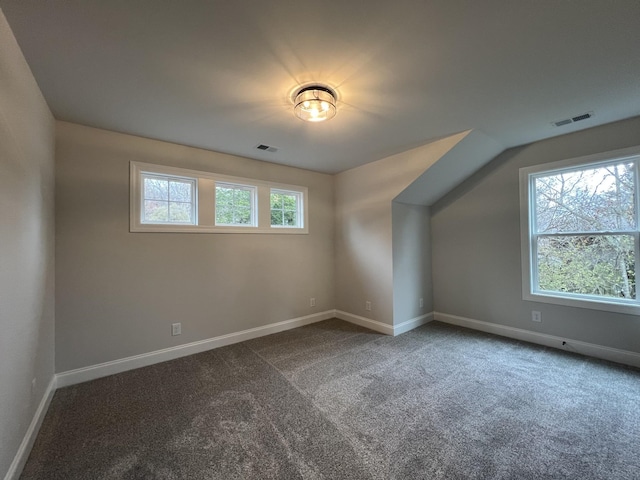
{"x": 219, "y": 74}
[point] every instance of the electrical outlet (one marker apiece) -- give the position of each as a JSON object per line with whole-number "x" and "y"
{"x": 422, "y": 303}
{"x": 33, "y": 385}
{"x": 176, "y": 329}
{"x": 312, "y": 302}
{"x": 536, "y": 316}
{"x": 367, "y": 305}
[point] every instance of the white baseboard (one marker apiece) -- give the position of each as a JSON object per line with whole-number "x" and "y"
{"x": 590, "y": 349}
{"x": 85, "y": 374}
{"x": 383, "y": 327}
{"x": 365, "y": 322}
{"x": 413, "y": 323}
{"x": 92, "y": 372}
{"x": 15, "y": 469}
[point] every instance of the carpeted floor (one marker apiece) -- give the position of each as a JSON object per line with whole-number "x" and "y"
{"x": 336, "y": 401}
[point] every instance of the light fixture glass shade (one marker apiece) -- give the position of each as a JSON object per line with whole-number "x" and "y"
{"x": 315, "y": 104}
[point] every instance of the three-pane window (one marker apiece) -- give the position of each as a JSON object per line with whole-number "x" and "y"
{"x": 171, "y": 199}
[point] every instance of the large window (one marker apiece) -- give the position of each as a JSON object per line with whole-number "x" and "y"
{"x": 169, "y": 199}
{"x": 581, "y": 237}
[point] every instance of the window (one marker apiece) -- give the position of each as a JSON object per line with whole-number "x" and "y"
{"x": 170, "y": 199}
{"x": 580, "y": 232}
{"x": 286, "y": 208}
{"x": 235, "y": 204}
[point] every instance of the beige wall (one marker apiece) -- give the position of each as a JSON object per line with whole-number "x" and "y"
{"x": 476, "y": 245}
{"x": 411, "y": 262}
{"x": 364, "y": 252}
{"x": 26, "y": 243}
{"x": 119, "y": 292}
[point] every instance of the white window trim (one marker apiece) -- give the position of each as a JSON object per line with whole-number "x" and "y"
{"x": 526, "y": 228}
{"x": 205, "y": 203}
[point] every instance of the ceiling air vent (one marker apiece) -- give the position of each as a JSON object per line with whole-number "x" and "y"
{"x": 584, "y": 116}
{"x": 563, "y": 122}
{"x": 577, "y": 118}
{"x": 267, "y": 148}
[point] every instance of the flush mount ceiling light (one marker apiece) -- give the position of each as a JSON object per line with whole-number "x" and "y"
{"x": 315, "y": 103}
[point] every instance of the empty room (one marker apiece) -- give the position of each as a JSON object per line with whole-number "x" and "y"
{"x": 319, "y": 240}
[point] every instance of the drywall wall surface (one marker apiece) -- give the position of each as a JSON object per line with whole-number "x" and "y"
{"x": 364, "y": 255}
{"x": 476, "y": 245}
{"x": 473, "y": 151}
{"x": 411, "y": 262}
{"x": 26, "y": 245}
{"x": 119, "y": 292}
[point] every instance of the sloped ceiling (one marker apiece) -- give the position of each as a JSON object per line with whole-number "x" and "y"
{"x": 473, "y": 151}
{"x": 219, "y": 74}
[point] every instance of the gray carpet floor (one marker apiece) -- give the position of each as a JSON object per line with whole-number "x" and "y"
{"x": 335, "y": 401}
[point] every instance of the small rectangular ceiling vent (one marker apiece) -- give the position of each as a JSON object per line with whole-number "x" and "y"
{"x": 267, "y": 148}
{"x": 577, "y": 118}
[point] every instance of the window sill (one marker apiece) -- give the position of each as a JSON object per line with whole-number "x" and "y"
{"x": 595, "y": 304}
{"x": 158, "y": 228}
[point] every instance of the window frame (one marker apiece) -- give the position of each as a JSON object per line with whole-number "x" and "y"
{"x": 253, "y": 192}
{"x": 169, "y": 178}
{"x": 528, "y": 234}
{"x": 204, "y": 207}
{"x": 299, "y": 207}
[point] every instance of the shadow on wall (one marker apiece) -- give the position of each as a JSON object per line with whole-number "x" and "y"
{"x": 470, "y": 183}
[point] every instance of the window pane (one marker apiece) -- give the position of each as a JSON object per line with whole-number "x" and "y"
{"x": 224, "y": 215}
{"x": 277, "y": 217}
{"x": 155, "y": 211}
{"x": 180, "y": 212}
{"x": 285, "y": 208}
{"x": 224, "y": 196}
{"x": 242, "y": 216}
{"x": 290, "y": 219}
{"x": 600, "y": 265}
{"x": 234, "y": 205}
{"x": 276, "y": 200}
{"x": 167, "y": 200}
{"x": 156, "y": 189}
{"x": 180, "y": 191}
{"x": 290, "y": 202}
{"x": 586, "y": 200}
{"x": 242, "y": 198}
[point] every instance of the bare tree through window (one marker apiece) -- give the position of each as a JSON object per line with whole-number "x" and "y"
{"x": 584, "y": 230}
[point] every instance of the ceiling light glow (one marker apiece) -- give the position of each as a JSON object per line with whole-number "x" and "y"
{"x": 315, "y": 103}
